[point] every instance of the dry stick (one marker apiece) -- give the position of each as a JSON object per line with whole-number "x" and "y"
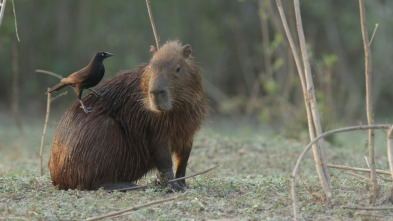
{"x": 152, "y": 24}
{"x": 170, "y": 181}
{"x": 132, "y": 209}
{"x": 49, "y": 73}
{"x": 375, "y": 30}
{"x": 16, "y": 24}
{"x": 310, "y": 90}
{"x": 390, "y": 159}
{"x": 367, "y": 208}
{"x": 44, "y": 131}
{"x": 295, "y": 169}
{"x": 362, "y": 178}
{"x": 2, "y": 10}
{"x": 370, "y": 117}
{"x": 317, "y": 156}
{"x": 357, "y": 169}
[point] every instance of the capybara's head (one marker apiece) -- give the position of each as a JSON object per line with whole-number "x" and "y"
{"x": 171, "y": 79}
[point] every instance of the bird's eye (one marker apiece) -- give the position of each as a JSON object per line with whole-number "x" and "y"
{"x": 178, "y": 70}
{"x": 103, "y": 54}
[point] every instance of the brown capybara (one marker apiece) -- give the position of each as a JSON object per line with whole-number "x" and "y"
{"x": 141, "y": 120}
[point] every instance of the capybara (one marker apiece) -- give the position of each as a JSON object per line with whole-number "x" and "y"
{"x": 142, "y": 120}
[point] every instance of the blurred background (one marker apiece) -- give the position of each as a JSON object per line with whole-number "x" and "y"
{"x": 248, "y": 69}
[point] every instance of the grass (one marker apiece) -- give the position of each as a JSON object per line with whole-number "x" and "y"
{"x": 252, "y": 182}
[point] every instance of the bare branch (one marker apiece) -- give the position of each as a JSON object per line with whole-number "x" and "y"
{"x": 367, "y": 208}
{"x": 3, "y": 3}
{"x": 16, "y": 24}
{"x": 132, "y": 209}
{"x": 152, "y": 24}
{"x": 390, "y": 159}
{"x": 372, "y": 37}
{"x": 362, "y": 178}
{"x": 311, "y": 99}
{"x": 370, "y": 112}
{"x": 49, "y": 73}
{"x": 357, "y": 169}
{"x": 44, "y": 131}
{"x": 311, "y": 123}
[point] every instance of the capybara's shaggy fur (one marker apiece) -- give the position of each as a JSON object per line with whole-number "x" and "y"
{"x": 142, "y": 119}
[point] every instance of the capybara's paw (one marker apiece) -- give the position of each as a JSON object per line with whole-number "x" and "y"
{"x": 182, "y": 183}
{"x": 177, "y": 187}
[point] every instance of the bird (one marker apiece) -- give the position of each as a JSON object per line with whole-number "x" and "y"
{"x": 85, "y": 78}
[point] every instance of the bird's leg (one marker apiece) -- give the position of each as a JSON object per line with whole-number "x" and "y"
{"x": 85, "y": 109}
{"x": 96, "y": 93}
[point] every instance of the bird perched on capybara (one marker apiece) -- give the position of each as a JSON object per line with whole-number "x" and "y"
{"x": 142, "y": 121}
{"x": 85, "y": 78}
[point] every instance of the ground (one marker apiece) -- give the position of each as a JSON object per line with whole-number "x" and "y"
{"x": 252, "y": 181}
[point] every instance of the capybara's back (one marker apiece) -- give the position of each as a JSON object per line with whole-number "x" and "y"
{"x": 139, "y": 122}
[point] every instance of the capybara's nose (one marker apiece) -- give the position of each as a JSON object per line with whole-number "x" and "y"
{"x": 158, "y": 92}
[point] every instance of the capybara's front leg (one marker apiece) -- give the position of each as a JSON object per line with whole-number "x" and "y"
{"x": 163, "y": 160}
{"x": 181, "y": 155}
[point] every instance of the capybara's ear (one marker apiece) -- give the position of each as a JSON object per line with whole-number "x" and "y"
{"x": 187, "y": 51}
{"x": 152, "y": 50}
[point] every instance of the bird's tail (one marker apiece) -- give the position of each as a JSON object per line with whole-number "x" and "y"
{"x": 56, "y": 87}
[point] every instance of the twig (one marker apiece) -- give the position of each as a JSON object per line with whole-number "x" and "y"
{"x": 44, "y": 131}
{"x": 177, "y": 179}
{"x": 312, "y": 99}
{"x": 372, "y": 37}
{"x": 132, "y": 209}
{"x": 3, "y": 3}
{"x": 363, "y": 178}
{"x": 152, "y": 24}
{"x": 370, "y": 112}
{"x": 357, "y": 169}
{"x": 368, "y": 164}
{"x": 49, "y": 73}
{"x": 296, "y": 168}
{"x": 367, "y": 208}
{"x": 317, "y": 157}
{"x": 16, "y": 24}
{"x": 390, "y": 159}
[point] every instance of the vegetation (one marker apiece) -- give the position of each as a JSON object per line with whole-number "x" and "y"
{"x": 249, "y": 72}
{"x": 252, "y": 182}
{"x": 246, "y": 70}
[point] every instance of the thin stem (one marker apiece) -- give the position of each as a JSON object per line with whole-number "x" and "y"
{"x": 311, "y": 94}
{"x": 2, "y": 10}
{"x": 44, "y": 131}
{"x": 357, "y": 169}
{"x": 152, "y": 24}
{"x": 132, "y": 209}
{"x": 370, "y": 112}
{"x": 375, "y": 30}
{"x": 49, "y": 73}
{"x": 16, "y": 24}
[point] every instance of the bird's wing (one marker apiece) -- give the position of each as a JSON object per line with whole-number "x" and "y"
{"x": 77, "y": 77}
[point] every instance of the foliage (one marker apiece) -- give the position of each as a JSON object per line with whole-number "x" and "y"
{"x": 252, "y": 182}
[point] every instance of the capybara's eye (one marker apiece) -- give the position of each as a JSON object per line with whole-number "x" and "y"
{"x": 178, "y": 70}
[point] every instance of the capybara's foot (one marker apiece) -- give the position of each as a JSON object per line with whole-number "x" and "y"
{"x": 177, "y": 187}
{"x": 182, "y": 183}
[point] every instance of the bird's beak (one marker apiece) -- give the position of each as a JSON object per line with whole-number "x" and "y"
{"x": 109, "y": 54}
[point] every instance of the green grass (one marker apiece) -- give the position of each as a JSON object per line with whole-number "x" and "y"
{"x": 252, "y": 182}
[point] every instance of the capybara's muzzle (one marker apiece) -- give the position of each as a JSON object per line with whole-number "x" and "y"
{"x": 159, "y": 100}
